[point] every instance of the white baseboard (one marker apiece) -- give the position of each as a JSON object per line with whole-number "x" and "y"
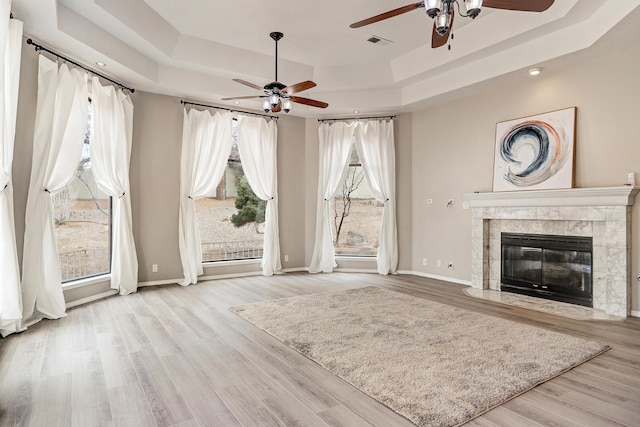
{"x": 159, "y": 282}
{"x": 91, "y": 298}
{"x": 295, "y": 270}
{"x": 635, "y": 313}
{"x": 356, "y": 270}
{"x": 436, "y": 277}
{"x": 200, "y": 279}
{"x": 229, "y": 276}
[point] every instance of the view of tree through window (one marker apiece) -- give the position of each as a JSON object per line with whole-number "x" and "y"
{"x": 82, "y": 215}
{"x": 231, "y": 223}
{"x": 357, "y": 216}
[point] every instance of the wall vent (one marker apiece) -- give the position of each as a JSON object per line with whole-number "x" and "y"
{"x": 379, "y": 40}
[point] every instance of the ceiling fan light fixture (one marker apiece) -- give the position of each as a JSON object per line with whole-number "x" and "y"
{"x": 286, "y": 105}
{"x": 266, "y": 106}
{"x": 473, "y": 8}
{"x": 433, "y": 7}
{"x": 273, "y": 100}
{"x": 443, "y": 23}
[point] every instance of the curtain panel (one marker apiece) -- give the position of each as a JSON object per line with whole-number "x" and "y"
{"x": 257, "y": 144}
{"x": 10, "y": 53}
{"x": 61, "y": 120}
{"x": 375, "y": 145}
{"x": 206, "y": 145}
{"x": 110, "y": 151}
{"x": 376, "y": 148}
{"x": 335, "y": 146}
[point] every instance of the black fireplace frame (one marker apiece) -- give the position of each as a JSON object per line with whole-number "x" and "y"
{"x": 546, "y": 290}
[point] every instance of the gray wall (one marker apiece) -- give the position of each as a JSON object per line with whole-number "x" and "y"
{"x": 442, "y": 152}
{"x": 453, "y": 147}
{"x": 155, "y": 188}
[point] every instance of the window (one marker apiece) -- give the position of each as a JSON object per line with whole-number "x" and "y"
{"x": 357, "y": 216}
{"x": 82, "y": 215}
{"x": 231, "y": 223}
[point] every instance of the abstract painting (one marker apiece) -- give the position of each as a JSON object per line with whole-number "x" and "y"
{"x": 536, "y": 152}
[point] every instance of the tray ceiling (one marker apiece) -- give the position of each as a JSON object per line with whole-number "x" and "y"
{"x": 193, "y": 48}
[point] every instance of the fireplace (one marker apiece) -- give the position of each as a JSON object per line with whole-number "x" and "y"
{"x": 548, "y": 266}
{"x": 603, "y": 214}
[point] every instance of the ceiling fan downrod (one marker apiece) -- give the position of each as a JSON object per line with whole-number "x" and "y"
{"x": 276, "y": 35}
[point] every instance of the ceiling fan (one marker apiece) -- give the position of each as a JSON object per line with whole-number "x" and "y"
{"x": 278, "y": 96}
{"x": 442, "y": 12}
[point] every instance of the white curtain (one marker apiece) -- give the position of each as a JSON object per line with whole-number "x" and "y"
{"x": 10, "y": 297}
{"x": 335, "y": 147}
{"x": 375, "y": 145}
{"x": 110, "y": 153}
{"x": 61, "y": 123}
{"x": 257, "y": 143}
{"x": 206, "y": 145}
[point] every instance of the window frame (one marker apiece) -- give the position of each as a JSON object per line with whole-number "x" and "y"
{"x": 97, "y": 277}
{"x": 333, "y": 230}
{"x": 244, "y": 260}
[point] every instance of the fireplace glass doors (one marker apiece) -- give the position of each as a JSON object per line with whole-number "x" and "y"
{"x": 548, "y": 266}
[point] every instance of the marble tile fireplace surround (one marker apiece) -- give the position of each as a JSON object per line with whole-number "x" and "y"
{"x": 601, "y": 213}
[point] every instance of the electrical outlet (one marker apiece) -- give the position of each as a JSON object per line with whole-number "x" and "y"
{"x": 439, "y": 263}
{"x": 154, "y": 268}
{"x": 429, "y": 201}
{"x": 424, "y": 261}
{"x": 286, "y": 258}
{"x": 465, "y": 205}
{"x": 631, "y": 179}
{"x": 450, "y": 265}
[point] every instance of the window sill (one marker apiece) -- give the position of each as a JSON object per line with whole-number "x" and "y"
{"x": 86, "y": 282}
{"x": 232, "y": 262}
{"x": 356, "y": 258}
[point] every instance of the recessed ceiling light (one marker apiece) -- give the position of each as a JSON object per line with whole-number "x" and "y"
{"x": 101, "y": 64}
{"x": 236, "y": 102}
{"x": 535, "y": 71}
{"x": 356, "y": 111}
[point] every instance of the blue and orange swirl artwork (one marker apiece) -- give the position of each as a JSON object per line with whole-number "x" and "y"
{"x": 533, "y": 151}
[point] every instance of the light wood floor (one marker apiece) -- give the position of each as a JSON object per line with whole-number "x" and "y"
{"x": 174, "y": 356}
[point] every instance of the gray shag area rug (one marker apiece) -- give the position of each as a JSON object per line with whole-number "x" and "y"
{"x": 435, "y": 364}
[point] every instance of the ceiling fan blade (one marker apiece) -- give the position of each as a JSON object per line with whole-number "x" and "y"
{"x": 242, "y": 97}
{"x": 438, "y": 40}
{"x": 299, "y": 87}
{"x": 246, "y": 83}
{"x": 387, "y": 15}
{"x": 523, "y": 5}
{"x": 307, "y": 101}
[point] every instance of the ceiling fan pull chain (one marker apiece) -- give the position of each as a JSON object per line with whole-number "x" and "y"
{"x": 450, "y": 38}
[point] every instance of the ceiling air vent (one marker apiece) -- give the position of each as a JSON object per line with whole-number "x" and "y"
{"x": 379, "y": 41}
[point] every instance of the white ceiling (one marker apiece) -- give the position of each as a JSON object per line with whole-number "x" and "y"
{"x": 193, "y": 48}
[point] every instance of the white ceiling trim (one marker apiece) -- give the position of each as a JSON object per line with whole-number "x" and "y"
{"x": 143, "y": 45}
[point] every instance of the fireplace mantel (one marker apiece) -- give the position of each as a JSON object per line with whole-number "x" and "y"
{"x": 601, "y": 213}
{"x": 601, "y": 196}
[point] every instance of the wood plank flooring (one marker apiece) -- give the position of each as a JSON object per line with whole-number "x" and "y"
{"x": 174, "y": 356}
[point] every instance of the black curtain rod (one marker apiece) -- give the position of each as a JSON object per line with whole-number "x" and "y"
{"x": 228, "y": 109}
{"x": 357, "y": 118}
{"x": 64, "y": 58}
